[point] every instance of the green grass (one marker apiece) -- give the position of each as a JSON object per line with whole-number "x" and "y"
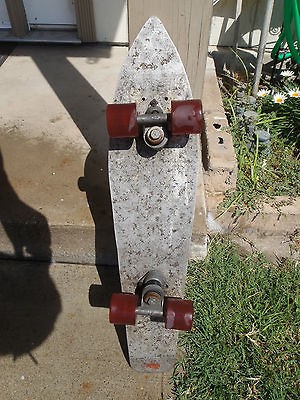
{"x": 245, "y": 339}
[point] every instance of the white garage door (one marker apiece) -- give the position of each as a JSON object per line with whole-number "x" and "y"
{"x": 4, "y": 19}
{"x": 54, "y": 12}
{"x": 111, "y": 18}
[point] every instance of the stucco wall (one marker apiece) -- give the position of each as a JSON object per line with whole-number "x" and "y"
{"x": 250, "y": 24}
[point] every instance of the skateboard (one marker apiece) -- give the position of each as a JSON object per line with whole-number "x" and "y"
{"x": 153, "y": 163}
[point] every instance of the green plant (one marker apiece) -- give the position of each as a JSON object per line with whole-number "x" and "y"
{"x": 286, "y": 116}
{"x": 245, "y": 340}
{"x": 270, "y": 168}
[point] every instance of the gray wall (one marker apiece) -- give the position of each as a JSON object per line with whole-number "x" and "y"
{"x": 250, "y": 24}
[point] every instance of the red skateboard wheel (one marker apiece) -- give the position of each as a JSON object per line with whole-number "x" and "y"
{"x": 186, "y": 117}
{"x": 123, "y": 309}
{"x": 121, "y": 120}
{"x": 178, "y": 314}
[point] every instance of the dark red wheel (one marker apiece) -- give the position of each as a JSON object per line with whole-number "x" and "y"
{"x": 121, "y": 120}
{"x": 123, "y": 309}
{"x": 186, "y": 117}
{"x": 178, "y": 313}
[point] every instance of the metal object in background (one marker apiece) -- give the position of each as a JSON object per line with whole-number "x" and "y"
{"x": 290, "y": 33}
{"x": 262, "y": 46}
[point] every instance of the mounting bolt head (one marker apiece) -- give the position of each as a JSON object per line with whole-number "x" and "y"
{"x": 152, "y": 298}
{"x": 155, "y": 135}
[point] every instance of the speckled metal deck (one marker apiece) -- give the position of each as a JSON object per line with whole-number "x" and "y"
{"x": 153, "y": 193}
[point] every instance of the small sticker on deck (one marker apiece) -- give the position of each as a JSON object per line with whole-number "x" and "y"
{"x": 152, "y": 366}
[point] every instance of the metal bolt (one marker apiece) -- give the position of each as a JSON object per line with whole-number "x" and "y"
{"x": 151, "y": 298}
{"x": 155, "y": 135}
{"x": 151, "y": 301}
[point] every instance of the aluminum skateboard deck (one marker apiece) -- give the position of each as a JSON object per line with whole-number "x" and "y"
{"x": 153, "y": 171}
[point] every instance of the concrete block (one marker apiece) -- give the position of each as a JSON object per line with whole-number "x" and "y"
{"x": 217, "y": 148}
{"x": 274, "y": 229}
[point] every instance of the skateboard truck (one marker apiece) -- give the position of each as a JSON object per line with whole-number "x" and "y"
{"x": 186, "y": 118}
{"x": 150, "y": 301}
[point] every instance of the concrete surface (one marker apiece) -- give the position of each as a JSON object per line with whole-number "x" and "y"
{"x": 273, "y": 230}
{"x": 41, "y": 36}
{"x": 55, "y": 339}
{"x": 54, "y": 148}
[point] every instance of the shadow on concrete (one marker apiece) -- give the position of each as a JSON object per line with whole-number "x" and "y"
{"x": 229, "y": 63}
{"x": 5, "y": 51}
{"x": 239, "y": 66}
{"x": 87, "y": 109}
{"x": 29, "y": 300}
{"x": 100, "y": 295}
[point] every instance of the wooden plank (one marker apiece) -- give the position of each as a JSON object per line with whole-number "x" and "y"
{"x": 85, "y": 20}
{"x": 17, "y": 17}
{"x": 188, "y": 23}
